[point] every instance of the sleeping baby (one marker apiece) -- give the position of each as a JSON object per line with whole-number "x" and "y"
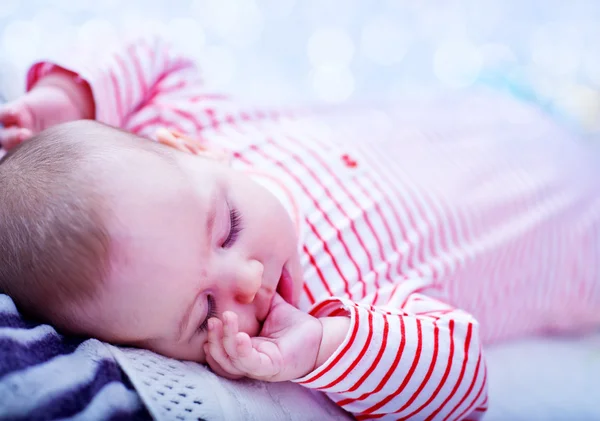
{"x": 367, "y": 261}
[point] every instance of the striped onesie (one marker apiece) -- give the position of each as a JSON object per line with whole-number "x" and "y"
{"x": 436, "y": 226}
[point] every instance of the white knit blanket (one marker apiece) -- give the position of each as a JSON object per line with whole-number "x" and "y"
{"x": 179, "y": 391}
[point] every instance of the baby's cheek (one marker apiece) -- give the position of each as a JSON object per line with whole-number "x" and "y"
{"x": 188, "y": 351}
{"x": 249, "y": 325}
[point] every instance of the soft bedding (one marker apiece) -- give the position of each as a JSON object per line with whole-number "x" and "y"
{"x": 46, "y": 376}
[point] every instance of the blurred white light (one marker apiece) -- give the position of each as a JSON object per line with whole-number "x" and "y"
{"x": 497, "y": 56}
{"x": 582, "y": 103}
{"x": 556, "y": 49}
{"x": 330, "y": 47}
{"x": 8, "y": 75}
{"x": 187, "y": 35}
{"x": 218, "y": 16}
{"x": 380, "y": 122}
{"x": 329, "y": 12}
{"x": 96, "y": 36}
{"x": 249, "y": 27}
{"x": 277, "y": 9}
{"x": 440, "y": 20}
{"x": 591, "y": 67}
{"x": 457, "y": 64}
{"x": 218, "y": 66}
{"x": 545, "y": 85}
{"x": 20, "y": 41}
{"x": 105, "y": 5}
{"x": 50, "y": 19}
{"x": 270, "y": 84}
{"x": 132, "y": 26}
{"x": 384, "y": 41}
{"x": 73, "y": 6}
{"x": 485, "y": 17}
{"x": 8, "y": 7}
{"x": 332, "y": 84}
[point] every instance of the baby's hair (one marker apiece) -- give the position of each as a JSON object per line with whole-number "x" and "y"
{"x": 54, "y": 243}
{"x": 54, "y": 246}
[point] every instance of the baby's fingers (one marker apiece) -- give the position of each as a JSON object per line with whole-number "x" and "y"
{"x": 215, "y": 352}
{"x": 12, "y": 136}
{"x": 16, "y": 113}
{"x": 9, "y": 115}
{"x": 230, "y": 328}
{"x": 258, "y": 363}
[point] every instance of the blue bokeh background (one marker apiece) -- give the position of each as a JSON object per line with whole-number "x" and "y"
{"x": 282, "y": 51}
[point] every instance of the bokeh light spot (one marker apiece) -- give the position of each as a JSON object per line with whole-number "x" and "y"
{"x": 457, "y": 64}
{"x": 330, "y": 47}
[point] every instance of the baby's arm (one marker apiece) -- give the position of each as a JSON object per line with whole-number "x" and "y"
{"x": 142, "y": 86}
{"x": 417, "y": 359}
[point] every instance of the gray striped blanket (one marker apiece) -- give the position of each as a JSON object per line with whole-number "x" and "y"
{"x": 48, "y": 376}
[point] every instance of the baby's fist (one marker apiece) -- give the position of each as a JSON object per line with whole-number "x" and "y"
{"x": 17, "y": 118}
{"x": 56, "y": 98}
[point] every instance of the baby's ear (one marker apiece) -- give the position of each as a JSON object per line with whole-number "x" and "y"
{"x": 184, "y": 143}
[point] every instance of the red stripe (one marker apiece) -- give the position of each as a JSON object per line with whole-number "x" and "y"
{"x": 375, "y": 235}
{"x": 418, "y": 351}
{"x": 388, "y": 374}
{"x": 312, "y": 227}
{"x": 318, "y": 180}
{"x": 387, "y": 227}
{"x": 411, "y": 222}
{"x": 156, "y": 120}
{"x": 339, "y": 312}
{"x": 138, "y": 68}
{"x": 208, "y": 97}
{"x": 309, "y": 295}
{"x": 341, "y": 354}
{"x": 314, "y": 264}
{"x": 358, "y": 359}
{"x": 481, "y": 389}
{"x": 126, "y": 82}
{"x": 242, "y": 158}
{"x": 189, "y": 117}
{"x": 176, "y": 87}
{"x": 468, "y": 392}
{"x": 377, "y": 360}
{"x": 442, "y": 223}
{"x": 444, "y": 377}
{"x": 156, "y": 90}
{"x": 118, "y": 100}
{"x": 317, "y": 309}
{"x": 432, "y": 365}
{"x": 435, "y": 313}
{"x": 343, "y": 188}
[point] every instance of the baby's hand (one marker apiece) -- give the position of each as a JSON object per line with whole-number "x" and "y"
{"x": 55, "y": 99}
{"x": 286, "y": 348}
{"x": 195, "y": 146}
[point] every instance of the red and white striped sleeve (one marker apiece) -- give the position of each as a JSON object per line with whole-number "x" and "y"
{"x": 142, "y": 86}
{"x": 420, "y": 359}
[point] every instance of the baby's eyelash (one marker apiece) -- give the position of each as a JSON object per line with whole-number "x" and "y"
{"x": 236, "y": 227}
{"x": 212, "y": 312}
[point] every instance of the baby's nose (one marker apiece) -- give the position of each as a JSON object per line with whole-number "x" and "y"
{"x": 249, "y": 281}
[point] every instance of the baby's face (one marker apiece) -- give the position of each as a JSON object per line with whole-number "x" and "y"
{"x": 190, "y": 243}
